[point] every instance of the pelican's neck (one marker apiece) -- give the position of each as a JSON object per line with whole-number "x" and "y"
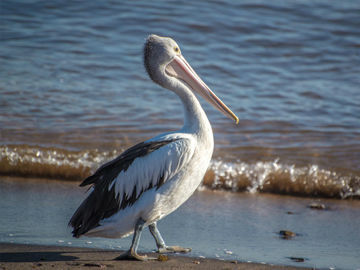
{"x": 195, "y": 119}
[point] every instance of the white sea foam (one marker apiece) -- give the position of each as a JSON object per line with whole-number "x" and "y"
{"x": 263, "y": 176}
{"x": 277, "y": 177}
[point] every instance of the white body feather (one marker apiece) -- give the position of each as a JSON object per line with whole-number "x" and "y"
{"x": 182, "y": 163}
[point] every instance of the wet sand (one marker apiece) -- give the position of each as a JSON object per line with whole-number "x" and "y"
{"x": 19, "y": 256}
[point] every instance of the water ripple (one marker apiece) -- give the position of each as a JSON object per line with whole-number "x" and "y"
{"x": 289, "y": 69}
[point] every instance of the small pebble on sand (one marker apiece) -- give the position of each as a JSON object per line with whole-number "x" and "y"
{"x": 317, "y": 206}
{"x": 285, "y": 234}
{"x": 163, "y": 258}
{"x": 297, "y": 259}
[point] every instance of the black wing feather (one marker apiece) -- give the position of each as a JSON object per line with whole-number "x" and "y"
{"x": 102, "y": 202}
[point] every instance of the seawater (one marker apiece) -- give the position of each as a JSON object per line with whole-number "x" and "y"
{"x": 74, "y": 92}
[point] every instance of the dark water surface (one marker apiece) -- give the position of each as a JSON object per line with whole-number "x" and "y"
{"x": 74, "y": 93}
{"x": 216, "y": 224}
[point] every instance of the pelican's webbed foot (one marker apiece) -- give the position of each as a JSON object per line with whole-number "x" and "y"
{"x": 162, "y": 248}
{"x": 133, "y": 255}
{"x": 173, "y": 249}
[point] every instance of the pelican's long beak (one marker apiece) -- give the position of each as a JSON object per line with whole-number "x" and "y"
{"x": 181, "y": 69}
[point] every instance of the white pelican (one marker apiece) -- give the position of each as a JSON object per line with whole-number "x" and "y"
{"x": 153, "y": 178}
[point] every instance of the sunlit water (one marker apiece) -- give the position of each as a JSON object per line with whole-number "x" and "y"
{"x": 231, "y": 226}
{"x": 72, "y": 79}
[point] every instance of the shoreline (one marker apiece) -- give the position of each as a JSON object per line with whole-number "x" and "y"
{"x": 216, "y": 224}
{"x": 29, "y": 256}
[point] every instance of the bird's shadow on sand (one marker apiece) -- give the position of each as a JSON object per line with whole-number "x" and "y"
{"x": 51, "y": 256}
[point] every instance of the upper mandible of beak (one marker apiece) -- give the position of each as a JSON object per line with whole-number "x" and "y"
{"x": 181, "y": 69}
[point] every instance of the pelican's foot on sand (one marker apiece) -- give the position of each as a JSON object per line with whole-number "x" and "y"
{"x": 132, "y": 255}
{"x": 173, "y": 249}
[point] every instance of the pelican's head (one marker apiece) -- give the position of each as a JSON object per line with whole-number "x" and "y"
{"x": 158, "y": 53}
{"x": 164, "y": 63}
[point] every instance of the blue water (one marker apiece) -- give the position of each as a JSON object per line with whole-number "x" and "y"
{"x": 74, "y": 92}
{"x": 72, "y": 78}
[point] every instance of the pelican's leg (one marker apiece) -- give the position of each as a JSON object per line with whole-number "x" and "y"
{"x": 131, "y": 254}
{"x": 162, "y": 248}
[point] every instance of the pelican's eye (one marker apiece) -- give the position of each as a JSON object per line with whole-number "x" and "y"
{"x": 176, "y": 49}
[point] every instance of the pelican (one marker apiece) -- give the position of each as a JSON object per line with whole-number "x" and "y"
{"x": 153, "y": 178}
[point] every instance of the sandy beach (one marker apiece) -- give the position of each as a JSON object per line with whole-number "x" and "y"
{"x": 19, "y": 256}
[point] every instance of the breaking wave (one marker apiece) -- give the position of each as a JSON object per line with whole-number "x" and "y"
{"x": 268, "y": 177}
{"x": 275, "y": 177}
{"x": 36, "y": 161}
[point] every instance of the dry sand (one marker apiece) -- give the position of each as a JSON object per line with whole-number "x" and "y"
{"x": 18, "y": 256}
